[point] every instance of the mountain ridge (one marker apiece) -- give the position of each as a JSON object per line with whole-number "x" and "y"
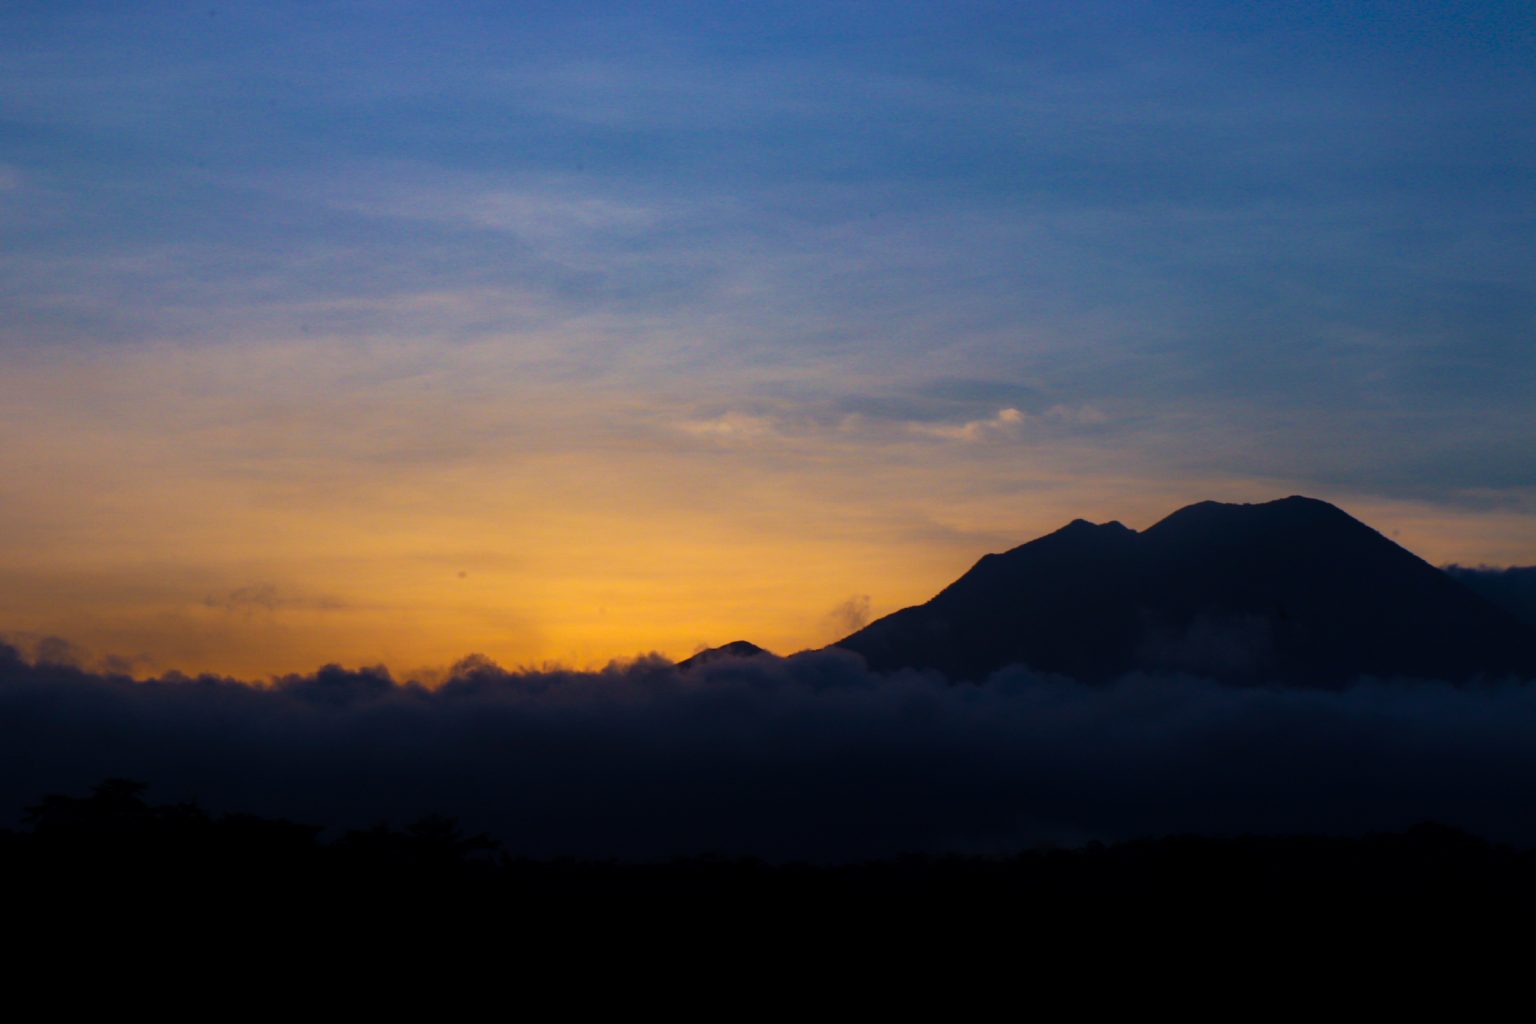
{"x": 1294, "y": 590}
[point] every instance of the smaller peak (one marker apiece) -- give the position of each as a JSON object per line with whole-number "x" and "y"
{"x": 1077, "y": 529}
{"x": 1080, "y": 533}
{"x": 734, "y": 649}
{"x": 740, "y": 648}
{"x": 1083, "y": 526}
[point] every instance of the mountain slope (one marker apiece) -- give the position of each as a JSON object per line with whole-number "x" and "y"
{"x": 1293, "y": 590}
{"x": 1513, "y": 589}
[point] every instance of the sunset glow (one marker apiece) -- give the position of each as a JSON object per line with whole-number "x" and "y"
{"x": 393, "y": 335}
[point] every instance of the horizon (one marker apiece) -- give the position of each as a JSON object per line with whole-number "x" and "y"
{"x": 60, "y": 652}
{"x": 384, "y": 334}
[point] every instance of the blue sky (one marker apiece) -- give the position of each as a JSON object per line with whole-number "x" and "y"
{"x": 911, "y": 280}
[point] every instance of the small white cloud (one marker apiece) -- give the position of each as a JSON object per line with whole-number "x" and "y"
{"x": 1008, "y": 423}
{"x": 1005, "y": 424}
{"x": 732, "y": 426}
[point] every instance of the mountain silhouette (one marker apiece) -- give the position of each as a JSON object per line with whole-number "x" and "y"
{"x": 734, "y": 649}
{"x": 1294, "y": 591}
{"x": 1513, "y": 588}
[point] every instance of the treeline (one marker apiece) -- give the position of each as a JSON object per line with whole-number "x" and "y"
{"x": 113, "y": 848}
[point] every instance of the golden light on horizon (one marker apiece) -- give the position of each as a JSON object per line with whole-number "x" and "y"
{"x": 215, "y": 511}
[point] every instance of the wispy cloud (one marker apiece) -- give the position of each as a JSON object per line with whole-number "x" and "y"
{"x": 731, "y": 427}
{"x": 1005, "y": 424}
{"x": 267, "y": 598}
{"x": 552, "y": 216}
{"x": 1010, "y": 423}
{"x": 851, "y": 615}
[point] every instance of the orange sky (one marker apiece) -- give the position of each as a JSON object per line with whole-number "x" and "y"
{"x": 212, "y": 509}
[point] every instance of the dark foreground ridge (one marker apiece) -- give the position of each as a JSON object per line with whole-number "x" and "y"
{"x": 1294, "y": 591}
{"x": 80, "y": 855}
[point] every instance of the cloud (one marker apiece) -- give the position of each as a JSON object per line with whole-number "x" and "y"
{"x": 851, "y": 615}
{"x": 539, "y": 216}
{"x": 1005, "y": 424}
{"x": 1082, "y": 415}
{"x": 257, "y": 596}
{"x": 809, "y": 756}
{"x": 55, "y": 650}
{"x": 265, "y": 597}
{"x": 730, "y": 427}
{"x": 47, "y": 649}
{"x": 1009, "y": 422}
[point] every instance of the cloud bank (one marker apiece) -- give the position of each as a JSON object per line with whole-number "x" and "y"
{"x": 806, "y": 757}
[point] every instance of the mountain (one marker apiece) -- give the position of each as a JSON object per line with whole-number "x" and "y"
{"x": 734, "y": 649}
{"x": 1513, "y": 589}
{"x": 1294, "y": 590}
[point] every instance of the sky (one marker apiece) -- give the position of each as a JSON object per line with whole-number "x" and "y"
{"x": 391, "y": 332}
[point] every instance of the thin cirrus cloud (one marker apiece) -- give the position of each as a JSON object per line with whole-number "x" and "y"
{"x": 1009, "y": 423}
{"x": 254, "y": 598}
{"x": 554, "y": 217}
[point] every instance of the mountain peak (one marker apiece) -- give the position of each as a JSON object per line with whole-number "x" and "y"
{"x": 1081, "y": 531}
{"x": 1292, "y": 590}
{"x": 1084, "y": 525}
{"x": 1295, "y": 505}
{"x": 734, "y": 649}
{"x": 1222, "y": 524}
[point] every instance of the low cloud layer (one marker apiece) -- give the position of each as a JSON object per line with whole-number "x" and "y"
{"x": 805, "y": 757}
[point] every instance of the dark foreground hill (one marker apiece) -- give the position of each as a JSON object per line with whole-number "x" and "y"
{"x": 114, "y": 858}
{"x": 1293, "y": 591}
